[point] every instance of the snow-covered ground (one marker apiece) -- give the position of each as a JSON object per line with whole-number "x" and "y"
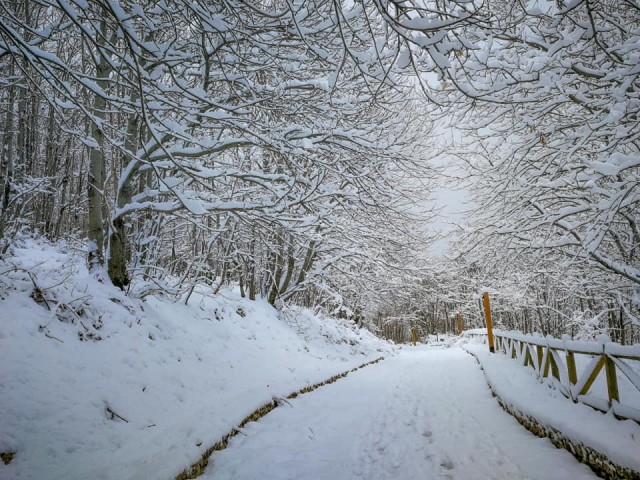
{"x": 519, "y": 387}
{"x": 165, "y": 381}
{"x": 181, "y": 376}
{"x": 426, "y": 413}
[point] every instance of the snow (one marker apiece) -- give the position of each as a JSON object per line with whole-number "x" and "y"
{"x": 426, "y": 413}
{"x": 181, "y": 376}
{"x": 587, "y": 355}
{"x": 519, "y": 386}
{"x": 429, "y": 24}
{"x": 165, "y": 381}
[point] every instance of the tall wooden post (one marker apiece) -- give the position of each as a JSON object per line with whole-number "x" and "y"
{"x": 487, "y": 313}
{"x": 414, "y": 336}
{"x": 612, "y": 379}
{"x": 459, "y": 324}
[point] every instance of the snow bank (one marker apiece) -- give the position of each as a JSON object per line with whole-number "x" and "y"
{"x": 519, "y": 387}
{"x": 97, "y": 385}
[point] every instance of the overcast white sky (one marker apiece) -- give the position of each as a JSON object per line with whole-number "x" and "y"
{"x": 452, "y": 204}
{"x": 449, "y": 198}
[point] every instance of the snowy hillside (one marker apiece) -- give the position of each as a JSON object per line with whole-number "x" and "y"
{"x": 97, "y": 385}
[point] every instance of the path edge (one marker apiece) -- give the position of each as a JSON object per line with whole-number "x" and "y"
{"x": 601, "y": 465}
{"x": 196, "y": 469}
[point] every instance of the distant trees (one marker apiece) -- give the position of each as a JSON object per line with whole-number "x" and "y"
{"x": 547, "y": 98}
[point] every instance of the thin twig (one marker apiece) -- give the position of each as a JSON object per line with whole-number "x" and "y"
{"x": 52, "y": 337}
{"x": 281, "y": 400}
{"x": 114, "y": 414}
{"x": 38, "y": 290}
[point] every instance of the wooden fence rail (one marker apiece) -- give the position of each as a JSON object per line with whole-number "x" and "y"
{"x": 551, "y": 356}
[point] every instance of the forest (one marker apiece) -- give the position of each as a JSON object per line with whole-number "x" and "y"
{"x": 292, "y": 148}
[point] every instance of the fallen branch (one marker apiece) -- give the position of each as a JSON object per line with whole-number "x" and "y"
{"x": 38, "y": 294}
{"x": 53, "y": 338}
{"x": 114, "y": 414}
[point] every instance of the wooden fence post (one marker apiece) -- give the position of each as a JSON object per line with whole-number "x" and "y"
{"x": 571, "y": 368}
{"x": 540, "y": 353}
{"x": 414, "y": 336}
{"x": 459, "y": 324}
{"x": 612, "y": 379}
{"x": 487, "y": 313}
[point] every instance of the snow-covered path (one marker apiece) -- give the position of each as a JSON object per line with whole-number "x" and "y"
{"x": 424, "y": 414}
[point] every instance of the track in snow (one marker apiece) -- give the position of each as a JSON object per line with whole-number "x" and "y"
{"x": 425, "y": 414}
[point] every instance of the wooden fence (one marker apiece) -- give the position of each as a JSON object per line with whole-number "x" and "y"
{"x": 557, "y": 358}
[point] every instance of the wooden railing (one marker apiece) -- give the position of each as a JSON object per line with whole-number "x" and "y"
{"x": 557, "y": 358}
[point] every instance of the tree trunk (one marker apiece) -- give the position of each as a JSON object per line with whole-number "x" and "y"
{"x": 6, "y": 170}
{"x": 97, "y": 165}
{"x": 119, "y": 248}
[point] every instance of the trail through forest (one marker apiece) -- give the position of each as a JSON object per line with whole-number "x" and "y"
{"x": 426, "y": 413}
